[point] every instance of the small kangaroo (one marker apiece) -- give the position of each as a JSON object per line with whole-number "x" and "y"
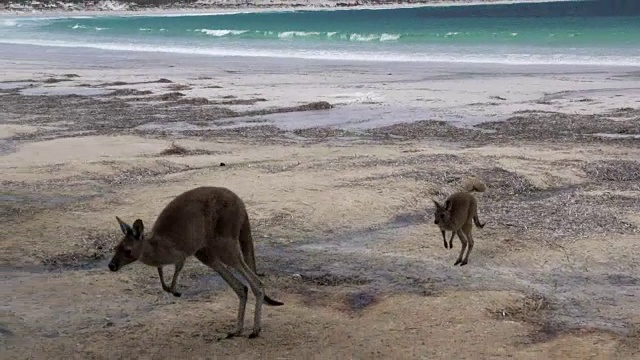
{"x": 210, "y": 223}
{"x": 457, "y": 214}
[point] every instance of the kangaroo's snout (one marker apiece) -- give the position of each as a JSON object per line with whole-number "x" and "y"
{"x": 113, "y": 267}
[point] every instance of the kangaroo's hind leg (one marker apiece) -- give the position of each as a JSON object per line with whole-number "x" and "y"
{"x": 235, "y": 260}
{"x": 258, "y": 291}
{"x": 235, "y": 284}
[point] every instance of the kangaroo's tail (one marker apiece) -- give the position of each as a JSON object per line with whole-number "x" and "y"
{"x": 476, "y": 221}
{"x": 246, "y": 244}
{"x": 474, "y": 185}
{"x": 269, "y": 301}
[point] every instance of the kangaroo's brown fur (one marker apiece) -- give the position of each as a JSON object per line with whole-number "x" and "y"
{"x": 457, "y": 215}
{"x": 210, "y": 223}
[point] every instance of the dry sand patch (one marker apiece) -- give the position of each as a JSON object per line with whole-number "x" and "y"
{"x": 335, "y": 217}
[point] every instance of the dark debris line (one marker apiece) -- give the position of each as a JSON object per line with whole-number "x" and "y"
{"x": 123, "y": 110}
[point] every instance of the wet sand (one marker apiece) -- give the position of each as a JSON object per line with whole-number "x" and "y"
{"x": 341, "y": 215}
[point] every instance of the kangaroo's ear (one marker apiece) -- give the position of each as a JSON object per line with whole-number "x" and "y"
{"x": 138, "y": 229}
{"x": 448, "y": 204}
{"x": 438, "y": 206}
{"x": 126, "y": 229}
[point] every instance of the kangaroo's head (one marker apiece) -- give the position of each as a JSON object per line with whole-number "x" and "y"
{"x": 130, "y": 246}
{"x": 443, "y": 213}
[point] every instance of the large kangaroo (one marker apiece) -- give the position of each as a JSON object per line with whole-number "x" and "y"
{"x": 210, "y": 223}
{"x": 458, "y": 214}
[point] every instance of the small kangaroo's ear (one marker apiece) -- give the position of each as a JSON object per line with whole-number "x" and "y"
{"x": 438, "y": 206}
{"x": 126, "y": 229}
{"x": 138, "y": 229}
{"x": 448, "y": 205}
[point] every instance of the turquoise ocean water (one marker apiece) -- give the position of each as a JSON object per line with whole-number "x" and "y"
{"x": 602, "y": 32}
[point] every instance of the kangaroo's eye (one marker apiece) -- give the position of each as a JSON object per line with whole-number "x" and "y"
{"x": 127, "y": 252}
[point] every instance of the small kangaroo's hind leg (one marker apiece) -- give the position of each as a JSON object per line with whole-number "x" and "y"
{"x": 453, "y": 233}
{"x": 467, "y": 230}
{"x": 235, "y": 284}
{"x": 463, "y": 240}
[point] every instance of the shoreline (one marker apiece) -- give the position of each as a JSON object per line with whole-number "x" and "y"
{"x": 357, "y": 59}
{"x": 18, "y": 51}
{"x": 216, "y": 7}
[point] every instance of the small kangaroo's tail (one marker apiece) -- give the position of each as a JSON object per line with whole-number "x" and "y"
{"x": 474, "y": 185}
{"x": 476, "y": 221}
{"x": 246, "y": 245}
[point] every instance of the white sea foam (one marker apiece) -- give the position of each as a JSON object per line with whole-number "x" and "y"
{"x": 33, "y": 19}
{"x": 359, "y": 37}
{"x": 78, "y": 26}
{"x": 144, "y": 29}
{"x": 370, "y": 37}
{"x": 99, "y": 28}
{"x": 374, "y": 56}
{"x": 358, "y": 97}
{"x": 220, "y": 33}
{"x": 9, "y": 22}
{"x": 389, "y": 37}
{"x": 291, "y": 34}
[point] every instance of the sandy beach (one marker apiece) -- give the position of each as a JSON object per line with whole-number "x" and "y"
{"x": 337, "y": 163}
